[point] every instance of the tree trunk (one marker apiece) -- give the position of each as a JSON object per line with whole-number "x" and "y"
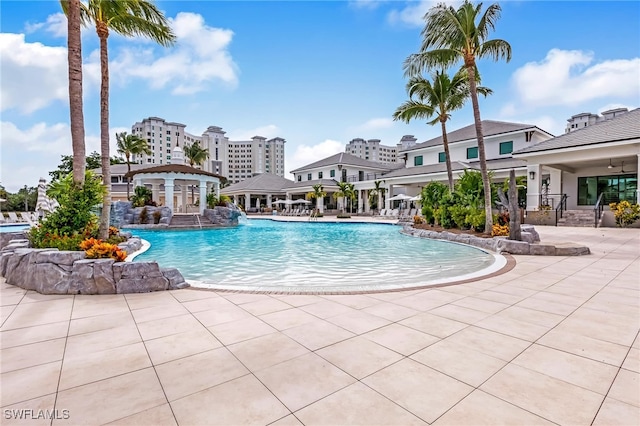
{"x": 103, "y": 34}
{"x": 515, "y": 233}
{"x": 76, "y": 113}
{"x": 445, "y": 143}
{"x": 127, "y": 156}
{"x": 486, "y": 184}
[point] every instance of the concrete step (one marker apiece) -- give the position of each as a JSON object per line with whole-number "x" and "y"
{"x": 189, "y": 220}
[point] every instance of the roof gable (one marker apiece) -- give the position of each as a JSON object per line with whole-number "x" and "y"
{"x": 342, "y": 158}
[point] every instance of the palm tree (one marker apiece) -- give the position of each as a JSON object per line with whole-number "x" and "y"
{"x": 346, "y": 191}
{"x": 128, "y": 18}
{"x": 129, "y": 145}
{"x": 196, "y": 155}
{"x": 318, "y": 193}
{"x": 378, "y": 191}
{"x": 453, "y": 35}
{"x": 74, "y": 58}
{"x": 439, "y": 98}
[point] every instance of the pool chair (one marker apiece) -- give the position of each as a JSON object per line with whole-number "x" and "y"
{"x": 382, "y": 213}
{"x": 394, "y": 214}
{"x": 13, "y": 218}
{"x": 27, "y": 218}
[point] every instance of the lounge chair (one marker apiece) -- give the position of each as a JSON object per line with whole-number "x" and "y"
{"x": 382, "y": 213}
{"x": 27, "y": 218}
{"x": 394, "y": 214}
{"x": 13, "y": 218}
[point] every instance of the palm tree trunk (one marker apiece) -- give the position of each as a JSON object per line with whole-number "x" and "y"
{"x": 445, "y": 143}
{"x": 76, "y": 113}
{"x": 103, "y": 33}
{"x": 486, "y": 185}
{"x": 127, "y": 156}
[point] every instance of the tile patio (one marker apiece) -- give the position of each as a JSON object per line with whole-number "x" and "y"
{"x": 554, "y": 341}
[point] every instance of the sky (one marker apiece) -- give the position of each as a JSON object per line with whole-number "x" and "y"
{"x": 316, "y": 73}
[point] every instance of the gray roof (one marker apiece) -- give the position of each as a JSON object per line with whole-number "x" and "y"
{"x": 501, "y": 163}
{"x": 621, "y": 128}
{"x": 489, "y": 128}
{"x": 304, "y": 183}
{"x": 345, "y": 159}
{"x": 120, "y": 169}
{"x": 263, "y": 182}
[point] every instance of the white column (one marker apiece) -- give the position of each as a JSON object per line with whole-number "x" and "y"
{"x": 380, "y": 207}
{"x": 136, "y": 182}
{"x": 367, "y": 207}
{"x": 533, "y": 186}
{"x": 155, "y": 189}
{"x": 320, "y": 204}
{"x": 258, "y": 203}
{"x": 183, "y": 190}
{"x": 269, "y": 201}
{"x": 235, "y": 199}
{"x": 247, "y": 202}
{"x": 387, "y": 203}
{"x": 203, "y": 196}
{"x": 168, "y": 193}
{"x": 638, "y": 175}
{"x": 217, "y": 187}
{"x": 555, "y": 181}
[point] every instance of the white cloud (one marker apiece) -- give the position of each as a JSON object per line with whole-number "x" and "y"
{"x": 33, "y": 75}
{"x": 373, "y": 125}
{"x": 413, "y": 13}
{"x": 570, "y": 77}
{"x": 306, "y": 154}
{"x": 366, "y": 4}
{"x": 55, "y": 25}
{"x": 269, "y": 131}
{"x": 31, "y": 153}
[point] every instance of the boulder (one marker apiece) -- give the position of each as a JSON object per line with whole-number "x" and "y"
{"x": 123, "y": 270}
{"x": 528, "y": 237}
{"x": 542, "y": 250}
{"x": 6, "y": 237}
{"x": 17, "y": 270}
{"x": 49, "y": 278}
{"x": 59, "y": 257}
{"x": 175, "y": 278}
{"x": 513, "y": 247}
{"x": 141, "y": 285}
{"x": 571, "y": 250}
{"x": 4, "y": 259}
{"x": 531, "y": 230}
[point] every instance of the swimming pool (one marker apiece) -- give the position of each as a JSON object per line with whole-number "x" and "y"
{"x": 13, "y": 227}
{"x": 266, "y": 255}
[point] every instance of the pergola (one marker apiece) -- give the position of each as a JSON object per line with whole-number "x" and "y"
{"x": 171, "y": 175}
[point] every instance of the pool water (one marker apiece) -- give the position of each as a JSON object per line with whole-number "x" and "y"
{"x": 13, "y": 227}
{"x": 267, "y": 255}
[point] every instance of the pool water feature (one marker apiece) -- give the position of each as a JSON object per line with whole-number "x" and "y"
{"x": 266, "y": 255}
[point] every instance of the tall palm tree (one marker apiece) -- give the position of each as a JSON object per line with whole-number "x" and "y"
{"x": 129, "y": 145}
{"x": 438, "y": 98}
{"x": 379, "y": 191}
{"x": 128, "y": 18}
{"x": 318, "y": 194}
{"x": 196, "y": 156}
{"x": 74, "y": 58}
{"x": 453, "y": 35}
{"x": 346, "y": 191}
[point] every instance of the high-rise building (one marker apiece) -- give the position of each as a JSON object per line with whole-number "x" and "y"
{"x": 372, "y": 150}
{"x": 582, "y": 120}
{"x": 236, "y": 160}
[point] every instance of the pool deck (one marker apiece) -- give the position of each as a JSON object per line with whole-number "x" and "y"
{"x": 553, "y": 341}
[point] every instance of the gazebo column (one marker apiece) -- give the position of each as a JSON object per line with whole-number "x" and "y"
{"x": 203, "y": 196}
{"x": 269, "y": 204}
{"x": 367, "y": 207}
{"x": 387, "y": 203}
{"x": 235, "y": 199}
{"x": 320, "y": 204}
{"x": 184, "y": 189}
{"x": 258, "y": 204}
{"x": 247, "y": 202}
{"x": 168, "y": 193}
{"x": 155, "y": 190}
{"x": 217, "y": 189}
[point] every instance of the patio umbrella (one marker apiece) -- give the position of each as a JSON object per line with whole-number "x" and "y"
{"x": 44, "y": 204}
{"x": 416, "y": 198}
{"x": 301, "y": 201}
{"x": 400, "y": 197}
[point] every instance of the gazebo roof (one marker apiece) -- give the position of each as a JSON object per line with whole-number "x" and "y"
{"x": 172, "y": 168}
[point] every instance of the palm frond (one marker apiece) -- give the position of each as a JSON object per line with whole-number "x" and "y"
{"x": 411, "y": 109}
{"x": 495, "y": 49}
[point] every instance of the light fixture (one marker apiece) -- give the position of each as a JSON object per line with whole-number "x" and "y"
{"x": 532, "y": 175}
{"x": 610, "y": 166}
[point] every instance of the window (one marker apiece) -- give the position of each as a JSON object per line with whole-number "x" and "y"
{"x": 168, "y": 145}
{"x": 168, "y": 132}
{"x": 614, "y": 189}
{"x": 417, "y": 160}
{"x": 114, "y": 179}
{"x": 442, "y": 157}
{"x": 299, "y": 178}
{"x": 319, "y": 175}
{"x": 308, "y": 176}
{"x": 168, "y": 138}
{"x": 506, "y": 147}
{"x": 472, "y": 152}
{"x": 332, "y": 173}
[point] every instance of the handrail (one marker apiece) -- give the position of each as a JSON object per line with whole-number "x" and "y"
{"x": 198, "y": 219}
{"x": 598, "y": 209}
{"x": 562, "y": 206}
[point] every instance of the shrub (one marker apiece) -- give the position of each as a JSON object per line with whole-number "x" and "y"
{"x": 500, "y": 230}
{"x": 113, "y": 231}
{"x": 43, "y": 236}
{"x": 142, "y": 196}
{"x": 156, "y": 216}
{"x": 98, "y": 249}
{"x": 144, "y": 216}
{"x": 625, "y": 213}
{"x": 502, "y": 218}
{"x": 224, "y": 200}
{"x": 343, "y": 216}
{"x": 418, "y": 220}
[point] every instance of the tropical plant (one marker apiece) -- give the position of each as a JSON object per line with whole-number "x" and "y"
{"x": 196, "y": 156}
{"x": 378, "y": 192}
{"x": 318, "y": 193}
{"x": 98, "y": 249}
{"x": 453, "y": 35}
{"x": 142, "y": 196}
{"x": 625, "y": 213}
{"x": 129, "y": 145}
{"x": 144, "y": 215}
{"x": 346, "y": 191}
{"x": 128, "y": 18}
{"x": 437, "y": 98}
{"x": 74, "y": 60}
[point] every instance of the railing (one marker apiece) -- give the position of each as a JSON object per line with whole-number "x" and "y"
{"x": 598, "y": 208}
{"x": 562, "y": 206}
{"x": 198, "y": 219}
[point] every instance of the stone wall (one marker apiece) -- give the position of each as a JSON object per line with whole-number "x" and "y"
{"x": 227, "y": 216}
{"x": 123, "y": 214}
{"x": 51, "y": 271}
{"x": 529, "y": 246}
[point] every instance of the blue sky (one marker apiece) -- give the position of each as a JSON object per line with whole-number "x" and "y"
{"x": 317, "y": 73}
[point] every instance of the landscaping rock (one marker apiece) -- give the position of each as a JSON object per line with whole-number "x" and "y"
{"x": 18, "y": 267}
{"x": 124, "y": 270}
{"x": 6, "y": 237}
{"x": 531, "y": 230}
{"x": 59, "y": 257}
{"x": 4, "y": 259}
{"x": 513, "y": 247}
{"x": 47, "y": 278}
{"x": 542, "y": 250}
{"x": 528, "y": 237}
{"x": 175, "y": 278}
{"x": 141, "y": 285}
{"x": 571, "y": 250}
